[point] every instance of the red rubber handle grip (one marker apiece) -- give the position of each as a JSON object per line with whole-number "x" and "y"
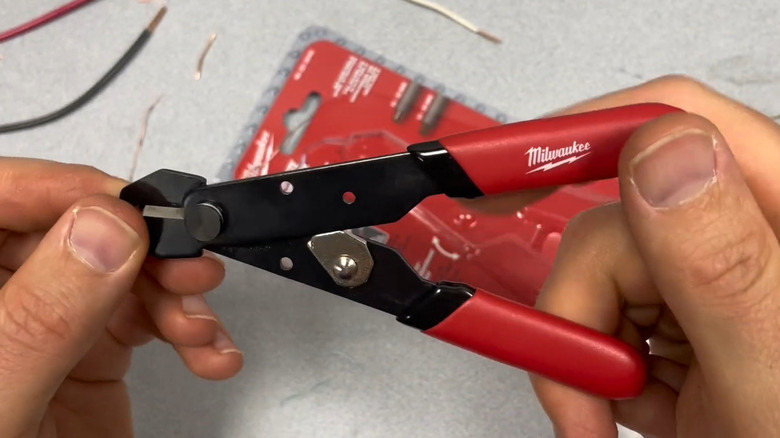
{"x": 547, "y": 152}
{"x": 543, "y": 344}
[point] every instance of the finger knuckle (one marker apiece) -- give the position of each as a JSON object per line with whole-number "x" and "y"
{"x": 582, "y": 224}
{"x": 589, "y": 227}
{"x": 31, "y": 318}
{"x": 680, "y": 84}
{"x": 11, "y": 185}
{"x": 730, "y": 266}
{"x": 574, "y": 234}
{"x": 79, "y": 178}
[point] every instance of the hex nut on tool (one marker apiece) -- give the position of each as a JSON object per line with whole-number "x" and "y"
{"x": 344, "y": 256}
{"x": 345, "y": 267}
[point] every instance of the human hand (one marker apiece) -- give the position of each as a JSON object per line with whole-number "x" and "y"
{"x": 687, "y": 260}
{"x": 78, "y": 293}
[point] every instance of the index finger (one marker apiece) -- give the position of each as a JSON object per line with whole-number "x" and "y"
{"x": 35, "y": 193}
{"x": 613, "y": 280}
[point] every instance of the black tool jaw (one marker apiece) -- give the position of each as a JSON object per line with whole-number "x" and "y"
{"x": 392, "y": 287}
{"x": 169, "y": 238}
{"x": 316, "y": 200}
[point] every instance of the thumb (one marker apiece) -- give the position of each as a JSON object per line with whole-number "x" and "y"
{"x": 704, "y": 239}
{"x": 56, "y": 305}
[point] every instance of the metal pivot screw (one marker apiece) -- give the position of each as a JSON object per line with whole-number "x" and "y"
{"x": 204, "y": 221}
{"x": 345, "y": 267}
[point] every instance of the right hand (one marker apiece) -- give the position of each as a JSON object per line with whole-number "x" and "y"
{"x": 689, "y": 260}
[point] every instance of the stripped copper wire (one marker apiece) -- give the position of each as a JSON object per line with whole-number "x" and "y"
{"x": 456, "y": 18}
{"x": 202, "y": 58}
{"x": 142, "y": 137}
{"x": 157, "y": 19}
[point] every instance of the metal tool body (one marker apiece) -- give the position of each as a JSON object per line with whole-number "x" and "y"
{"x": 294, "y": 224}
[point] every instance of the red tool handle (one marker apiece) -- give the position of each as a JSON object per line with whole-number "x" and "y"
{"x": 554, "y": 151}
{"x": 544, "y": 344}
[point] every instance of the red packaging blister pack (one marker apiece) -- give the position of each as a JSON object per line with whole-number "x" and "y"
{"x": 334, "y": 101}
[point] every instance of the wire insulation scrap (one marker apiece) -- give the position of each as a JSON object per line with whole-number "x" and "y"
{"x": 99, "y": 86}
{"x": 456, "y": 18}
{"x": 202, "y": 58}
{"x": 42, "y": 20}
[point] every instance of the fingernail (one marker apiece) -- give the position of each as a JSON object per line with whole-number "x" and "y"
{"x": 213, "y": 256}
{"x": 224, "y": 345}
{"x": 195, "y": 306}
{"x": 101, "y": 240}
{"x": 676, "y": 169}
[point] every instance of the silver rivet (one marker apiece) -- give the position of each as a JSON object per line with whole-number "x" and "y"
{"x": 286, "y": 187}
{"x": 345, "y": 267}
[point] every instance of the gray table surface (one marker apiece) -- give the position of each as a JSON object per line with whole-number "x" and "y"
{"x": 316, "y": 365}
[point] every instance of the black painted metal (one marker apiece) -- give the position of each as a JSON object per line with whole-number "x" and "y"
{"x": 444, "y": 170}
{"x": 261, "y": 221}
{"x": 258, "y": 210}
{"x": 435, "y": 307}
{"x": 392, "y": 287}
{"x": 169, "y": 238}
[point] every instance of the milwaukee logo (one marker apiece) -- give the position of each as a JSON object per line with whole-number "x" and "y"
{"x": 261, "y": 157}
{"x": 545, "y": 159}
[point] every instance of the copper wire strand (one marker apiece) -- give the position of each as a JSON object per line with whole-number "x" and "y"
{"x": 202, "y": 58}
{"x": 456, "y": 18}
{"x": 142, "y": 137}
{"x": 157, "y": 19}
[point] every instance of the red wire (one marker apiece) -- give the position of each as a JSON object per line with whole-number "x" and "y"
{"x": 43, "y": 19}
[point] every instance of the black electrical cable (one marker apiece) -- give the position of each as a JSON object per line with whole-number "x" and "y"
{"x": 95, "y": 89}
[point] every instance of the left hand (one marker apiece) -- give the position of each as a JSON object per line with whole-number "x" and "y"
{"x": 78, "y": 292}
